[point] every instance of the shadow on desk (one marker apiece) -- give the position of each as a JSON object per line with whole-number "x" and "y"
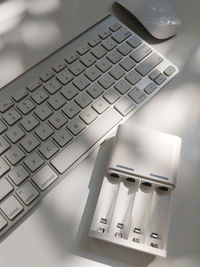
{"x": 97, "y": 250}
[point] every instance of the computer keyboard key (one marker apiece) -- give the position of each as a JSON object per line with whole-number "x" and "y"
{"x": 39, "y": 96}
{"x": 11, "y": 207}
{"x": 169, "y": 71}
{"x": 154, "y": 74}
{"x": 150, "y": 88}
{"x": 133, "y": 77}
{"x": 60, "y": 66}
{"x": 76, "y": 126}
{"x": 71, "y": 109}
{"x": 88, "y": 59}
{"x": 114, "y": 57}
{"x": 134, "y": 41}
{"x": 99, "y": 51}
{"x": 11, "y": 116}
{"x": 34, "y": 85}
{"x": 3, "y": 222}
{"x": 137, "y": 95}
{"x": 69, "y": 91}
{"x": 56, "y": 101}
{"x": 141, "y": 52}
{"x": 6, "y": 105}
{"x": 27, "y": 193}
{"x": 93, "y": 73}
{"x": 48, "y": 149}
{"x": 72, "y": 57}
{"x": 149, "y": 63}
{"x": 121, "y": 35}
{"x": 14, "y": 155}
{"x": 105, "y": 34}
{"x": 103, "y": 65}
{"x": 100, "y": 105}
{"x": 122, "y": 86}
{"x": 29, "y": 143}
{"x": 5, "y": 188}
{"x": 25, "y": 106}
{"x": 124, "y": 49}
{"x": 88, "y": 115}
{"x": 111, "y": 95}
{"x": 127, "y": 64}
{"x": 43, "y": 112}
{"x": 109, "y": 44}
{"x": 3, "y": 127}
{"x": 116, "y": 26}
{"x": 83, "y": 49}
{"x": 94, "y": 42}
{"x": 81, "y": 82}
{"x": 160, "y": 79}
{"x": 83, "y": 99}
{"x": 57, "y": 120}
{"x": 65, "y": 76}
{"x": 86, "y": 140}
{"x": 44, "y": 178}
{"x": 4, "y": 167}
{"x": 44, "y": 131}
{"x": 4, "y": 144}
{"x": 124, "y": 106}
{"x": 20, "y": 95}
{"x": 18, "y": 174}
{"x": 95, "y": 90}
{"x": 47, "y": 75}
{"x": 76, "y": 68}
{"x": 52, "y": 86}
{"x": 33, "y": 162}
{"x": 117, "y": 72}
{"x": 106, "y": 81}
{"x": 29, "y": 123}
{"x": 62, "y": 138}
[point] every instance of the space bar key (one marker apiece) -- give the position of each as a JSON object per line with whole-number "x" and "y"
{"x": 86, "y": 140}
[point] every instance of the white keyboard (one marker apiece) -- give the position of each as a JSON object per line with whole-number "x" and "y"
{"x": 59, "y": 111}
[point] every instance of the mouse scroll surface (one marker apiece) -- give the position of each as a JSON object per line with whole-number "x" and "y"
{"x": 157, "y": 16}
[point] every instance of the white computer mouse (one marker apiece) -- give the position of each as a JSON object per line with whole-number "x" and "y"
{"x": 157, "y": 16}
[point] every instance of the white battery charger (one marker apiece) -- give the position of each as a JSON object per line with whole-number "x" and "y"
{"x": 133, "y": 207}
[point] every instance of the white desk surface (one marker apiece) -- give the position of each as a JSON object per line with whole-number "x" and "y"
{"x": 56, "y": 233}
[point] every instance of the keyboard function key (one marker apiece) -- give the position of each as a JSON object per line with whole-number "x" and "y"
{"x": 83, "y": 49}
{"x": 5, "y": 188}
{"x": 48, "y": 149}
{"x": 94, "y": 42}
{"x": 44, "y": 178}
{"x": 137, "y": 95}
{"x": 29, "y": 123}
{"x": 4, "y": 167}
{"x": 33, "y": 162}
{"x": 34, "y": 85}
{"x": 60, "y": 66}
{"x": 62, "y": 138}
{"x": 47, "y": 75}
{"x": 105, "y": 34}
{"x": 20, "y": 95}
{"x": 14, "y": 155}
{"x": 11, "y": 207}
{"x": 72, "y": 57}
{"x": 27, "y": 193}
{"x": 29, "y": 143}
{"x": 169, "y": 71}
{"x": 116, "y": 26}
{"x": 125, "y": 106}
{"x": 18, "y": 174}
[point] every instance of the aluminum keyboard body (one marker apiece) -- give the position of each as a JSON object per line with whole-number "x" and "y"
{"x": 59, "y": 111}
